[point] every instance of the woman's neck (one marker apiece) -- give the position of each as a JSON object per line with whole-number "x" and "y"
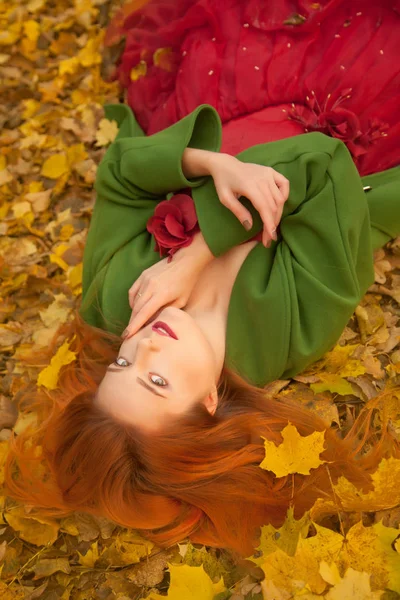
{"x": 209, "y": 301}
{"x": 208, "y": 306}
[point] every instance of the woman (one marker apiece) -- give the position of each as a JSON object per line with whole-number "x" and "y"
{"x": 169, "y": 439}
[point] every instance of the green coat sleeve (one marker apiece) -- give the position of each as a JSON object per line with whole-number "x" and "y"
{"x": 290, "y": 303}
{"x": 136, "y": 173}
{"x": 382, "y": 201}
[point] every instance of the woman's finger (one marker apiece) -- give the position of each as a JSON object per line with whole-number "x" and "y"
{"x": 279, "y": 202}
{"x": 143, "y": 315}
{"x": 283, "y": 184}
{"x": 230, "y": 201}
{"x": 140, "y": 300}
{"x": 264, "y": 202}
{"x": 134, "y": 289}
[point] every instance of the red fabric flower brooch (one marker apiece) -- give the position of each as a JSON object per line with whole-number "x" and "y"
{"x": 173, "y": 224}
{"x": 338, "y": 122}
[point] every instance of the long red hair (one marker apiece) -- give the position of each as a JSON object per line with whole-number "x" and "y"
{"x": 199, "y": 477}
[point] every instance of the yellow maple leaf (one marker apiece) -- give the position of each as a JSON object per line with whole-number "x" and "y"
{"x": 190, "y": 582}
{"x": 285, "y": 538}
{"x": 333, "y": 383}
{"x": 106, "y": 132}
{"x": 371, "y": 549}
{"x": 385, "y": 493}
{"x": 354, "y": 585}
{"x": 48, "y": 377}
{"x": 55, "y": 166}
{"x": 294, "y": 575}
{"x": 296, "y": 454}
{"x": 368, "y": 549}
{"x": 339, "y": 361}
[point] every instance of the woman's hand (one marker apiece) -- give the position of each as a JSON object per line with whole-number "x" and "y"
{"x": 167, "y": 284}
{"x": 266, "y": 189}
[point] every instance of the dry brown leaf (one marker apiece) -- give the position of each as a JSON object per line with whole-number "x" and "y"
{"x": 8, "y": 415}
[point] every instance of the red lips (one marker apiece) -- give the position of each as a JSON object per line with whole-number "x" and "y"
{"x": 162, "y": 325}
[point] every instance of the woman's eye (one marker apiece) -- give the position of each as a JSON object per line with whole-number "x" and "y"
{"x": 119, "y": 358}
{"x": 157, "y": 378}
{"x": 122, "y": 362}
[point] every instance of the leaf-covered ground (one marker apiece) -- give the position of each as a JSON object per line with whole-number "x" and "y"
{"x": 53, "y": 135}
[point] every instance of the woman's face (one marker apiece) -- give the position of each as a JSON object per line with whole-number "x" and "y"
{"x": 159, "y": 376}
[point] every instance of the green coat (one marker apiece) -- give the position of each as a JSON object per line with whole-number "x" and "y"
{"x": 290, "y": 302}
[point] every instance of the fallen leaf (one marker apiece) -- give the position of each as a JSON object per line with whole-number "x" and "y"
{"x": 190, "y": 582}
{"x": 55, "y": 166}
{"x": 296, "y": 454}
{"x": 106, "y": 132}
{"x": 47, "y": 566}
{"x": 91, "y": 556}
{"x": 36, "y": 530}
{"x": 381, "y": 265}
{"x": 285, "y": 538}
{"x": 355, "y": 584}
{"x": 332, "y": 383}
{"x": 48, "y": 377}
{"x": 5, "y": 177}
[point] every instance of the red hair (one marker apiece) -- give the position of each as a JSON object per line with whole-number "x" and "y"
{"x": 199, "y": 477}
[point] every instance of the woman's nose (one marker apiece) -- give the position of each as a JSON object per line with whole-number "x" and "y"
{"x": 150, "y": 342}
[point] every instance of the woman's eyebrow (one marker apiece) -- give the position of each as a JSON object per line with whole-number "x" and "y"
{"x": 142, "y": 383}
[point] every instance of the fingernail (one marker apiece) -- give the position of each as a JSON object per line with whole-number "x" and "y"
{"x": 274, "y": 236}
{"x": 268, "y": 245}
{"x": 247, "y": 225}
{"x": 125, "y": 333}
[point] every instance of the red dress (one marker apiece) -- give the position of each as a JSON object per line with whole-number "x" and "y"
{"x": 271, "y": 69}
